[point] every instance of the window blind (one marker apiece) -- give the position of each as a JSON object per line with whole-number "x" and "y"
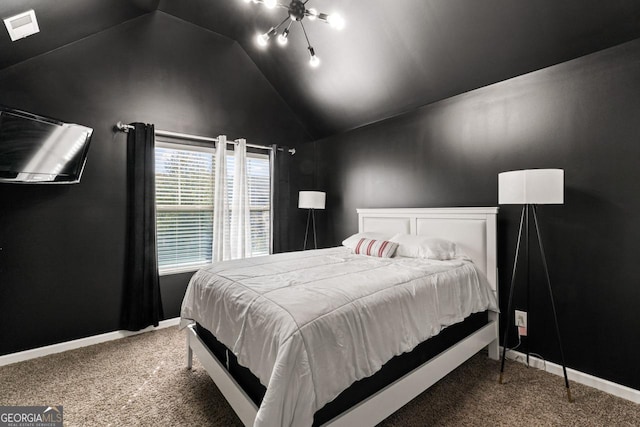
{"x": 258, "y": 173}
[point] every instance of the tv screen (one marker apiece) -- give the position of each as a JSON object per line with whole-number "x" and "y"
{"x": 36, "y": 149}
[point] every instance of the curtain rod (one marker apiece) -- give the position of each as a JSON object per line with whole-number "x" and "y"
{"x": 125, "y": 128}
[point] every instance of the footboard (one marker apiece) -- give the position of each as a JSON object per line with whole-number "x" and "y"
{"x": 372, "y": 410}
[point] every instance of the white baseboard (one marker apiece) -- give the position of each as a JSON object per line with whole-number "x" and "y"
{"x": 82, "y": 342}
{"x": 615, "y": 389}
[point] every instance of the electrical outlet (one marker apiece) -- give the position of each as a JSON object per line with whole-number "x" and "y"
{"x": 521, "y": 319}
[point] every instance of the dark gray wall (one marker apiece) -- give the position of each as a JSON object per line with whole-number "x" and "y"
{"x": 61, "y": 264}
{"x": 582, "y": 116}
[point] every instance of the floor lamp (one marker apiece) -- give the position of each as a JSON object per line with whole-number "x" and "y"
{"x": 529, "y": 188}
{"x": 311, "y": 200}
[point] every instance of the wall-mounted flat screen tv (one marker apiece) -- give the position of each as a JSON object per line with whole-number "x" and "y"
{"x": 36, "y": 149}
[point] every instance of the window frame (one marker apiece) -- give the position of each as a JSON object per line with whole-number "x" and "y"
{"x": 186, "y": 145}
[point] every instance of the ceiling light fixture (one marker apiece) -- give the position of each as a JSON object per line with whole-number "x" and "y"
{"x": 296, "y": 12}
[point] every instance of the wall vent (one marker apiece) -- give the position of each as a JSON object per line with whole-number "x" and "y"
{"x": 22, "y": 25}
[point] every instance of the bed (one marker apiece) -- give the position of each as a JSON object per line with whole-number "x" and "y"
{"x": 313, "y": 342}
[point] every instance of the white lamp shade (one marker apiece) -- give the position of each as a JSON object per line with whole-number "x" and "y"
{"x": 311, "y": 199}
{"x": 531, "y": 186}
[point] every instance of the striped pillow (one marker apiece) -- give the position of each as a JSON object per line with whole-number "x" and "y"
{"x": 377, "y": 248}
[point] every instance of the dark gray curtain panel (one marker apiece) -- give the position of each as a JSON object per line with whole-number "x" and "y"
{"x": 281, "y": 199}
{"x": 142, "y": 305}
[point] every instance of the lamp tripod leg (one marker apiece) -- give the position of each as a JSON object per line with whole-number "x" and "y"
{"x": 313, "y": 219}
{"x": 513, "y": 281}
{"x": 553, "y": 305}
{"x": 306, "y": 232}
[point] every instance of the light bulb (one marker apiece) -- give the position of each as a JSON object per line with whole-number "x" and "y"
{"x": 313, "y": 60}
{"x": 312, "y": 14}
{"x": 270, "y": 3}
{"x": 282, "y": 38}
{"x": 336, "y": 21}
{"x": 262, "y": 40}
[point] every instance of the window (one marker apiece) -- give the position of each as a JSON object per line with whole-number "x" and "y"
{"x": 184, "y": 203}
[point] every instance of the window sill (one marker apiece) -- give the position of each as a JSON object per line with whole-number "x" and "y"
{"x": 179, "y": 270}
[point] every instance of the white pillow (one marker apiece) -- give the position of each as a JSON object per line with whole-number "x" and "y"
{"x": 424, "y": 247}
{"x": 351, "y": 241}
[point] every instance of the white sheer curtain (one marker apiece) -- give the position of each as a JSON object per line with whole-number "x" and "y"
{"x": 221, "y": 246}
{"x": 231, "y": 229}
{"x": 240, "y": 229}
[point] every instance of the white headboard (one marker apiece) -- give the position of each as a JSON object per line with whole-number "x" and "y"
{"x": 472, "y": 229}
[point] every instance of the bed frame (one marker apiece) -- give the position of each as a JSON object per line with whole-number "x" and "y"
{"x": 474, "y": 231}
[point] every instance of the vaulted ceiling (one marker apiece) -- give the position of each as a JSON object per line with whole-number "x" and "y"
{"x": 391, "y": 57}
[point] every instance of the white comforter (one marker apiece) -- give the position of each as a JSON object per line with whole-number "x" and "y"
{"x": 309, "y": 324}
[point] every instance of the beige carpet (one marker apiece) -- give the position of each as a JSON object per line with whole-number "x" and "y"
{"x": 141, "y": 380}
